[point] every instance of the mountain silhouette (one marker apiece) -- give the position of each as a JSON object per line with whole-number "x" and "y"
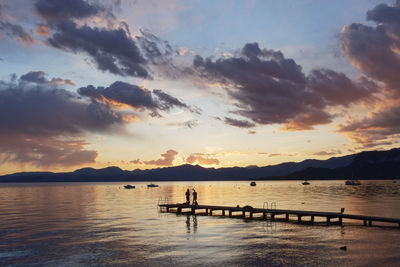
{"x": 364, "y": 165}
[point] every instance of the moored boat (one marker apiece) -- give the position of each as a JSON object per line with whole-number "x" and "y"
{"x": 352, "y": 182}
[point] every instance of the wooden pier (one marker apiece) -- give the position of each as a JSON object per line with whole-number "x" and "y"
{"x": 301, "y": 216}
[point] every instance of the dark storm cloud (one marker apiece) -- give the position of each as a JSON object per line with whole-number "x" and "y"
{"x": 269, "y": 88}
{"x": 383, "y": 13}
{"x": 332, "y": 88}
{"x": 374, "y": 51}
{"x": 40, "y": 109}
{"x": 371, "y": 51}
{"x": 40, "y": 78}
{"x": 134, "y": 96}
{"x": 239, "y": 123}
{"x": 61, "y": 9}
{"x": 121, "y": 92}
{"x": 34, "y": 76}
{"x": 43, "y": 124}
{"x": 111, "y": 48}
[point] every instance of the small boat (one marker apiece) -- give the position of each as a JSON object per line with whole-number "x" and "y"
{"x": 305, "y": 182}
{"x": 352, "y": 182}
{"x": 128, "y": 186}
{"x": 253, "y": 183}
{"x": 152, "y": 185}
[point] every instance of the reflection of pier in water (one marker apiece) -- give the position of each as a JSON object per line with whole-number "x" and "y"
{"x": 188, "y": 224}
{"x": 248, "y": 212}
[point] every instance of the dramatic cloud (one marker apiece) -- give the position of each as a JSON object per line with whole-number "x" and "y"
{"x": 13, "y": 30}
{"x": 111, "y": 48}
{"x": 42, "y": 109}
{"x": 268, "y": 88}
{"x": 375, "y": 51}
{"x": 166, "y": 159}
{"x": 43, "y": 124}
{"x": 34, "y": 76}
{"x": 379, "y": 128}
{"x": 332, "y": 88}
{"x": 137, "y": 98}
{"x": 62, "y": 10}
{"x": 239, "y": 123}
{"x": 202, "y": 159}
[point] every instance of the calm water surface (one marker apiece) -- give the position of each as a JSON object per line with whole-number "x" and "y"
{"x": 104, "y": 224}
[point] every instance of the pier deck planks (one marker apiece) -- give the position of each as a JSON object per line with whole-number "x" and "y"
{"x": 209, "y": 209}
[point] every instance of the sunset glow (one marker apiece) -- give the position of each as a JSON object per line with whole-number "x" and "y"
{"x": 148, "y": 84}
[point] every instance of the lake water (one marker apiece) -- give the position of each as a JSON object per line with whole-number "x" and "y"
{"x": 72, "y": 224}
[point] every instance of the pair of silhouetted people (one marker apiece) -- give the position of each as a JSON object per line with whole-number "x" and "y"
{"x": 188, "y": 197}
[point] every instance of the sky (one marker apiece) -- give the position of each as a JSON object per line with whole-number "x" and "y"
{"x": 148, "y": 84}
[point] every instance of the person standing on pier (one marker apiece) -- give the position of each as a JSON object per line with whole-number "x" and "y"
{"x": 194, "y": 197}
{"x": 187, "y": 196}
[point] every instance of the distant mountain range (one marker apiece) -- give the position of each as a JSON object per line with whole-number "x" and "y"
{"x": 364, "y": 165}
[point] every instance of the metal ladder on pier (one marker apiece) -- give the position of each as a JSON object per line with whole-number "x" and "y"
{"x": 162, "y": 201}
{"x": 271, "y": 206}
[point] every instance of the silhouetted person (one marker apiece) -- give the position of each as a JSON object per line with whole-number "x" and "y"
{"x": 187, "y": 196}
{"x": 194, "y": 197}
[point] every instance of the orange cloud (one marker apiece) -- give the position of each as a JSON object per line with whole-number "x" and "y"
{"x": 43, "y": 30}
{"x": 166, "y": 159}
{"x": 328, "y": 153}
{"x": 200, "y": 159}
